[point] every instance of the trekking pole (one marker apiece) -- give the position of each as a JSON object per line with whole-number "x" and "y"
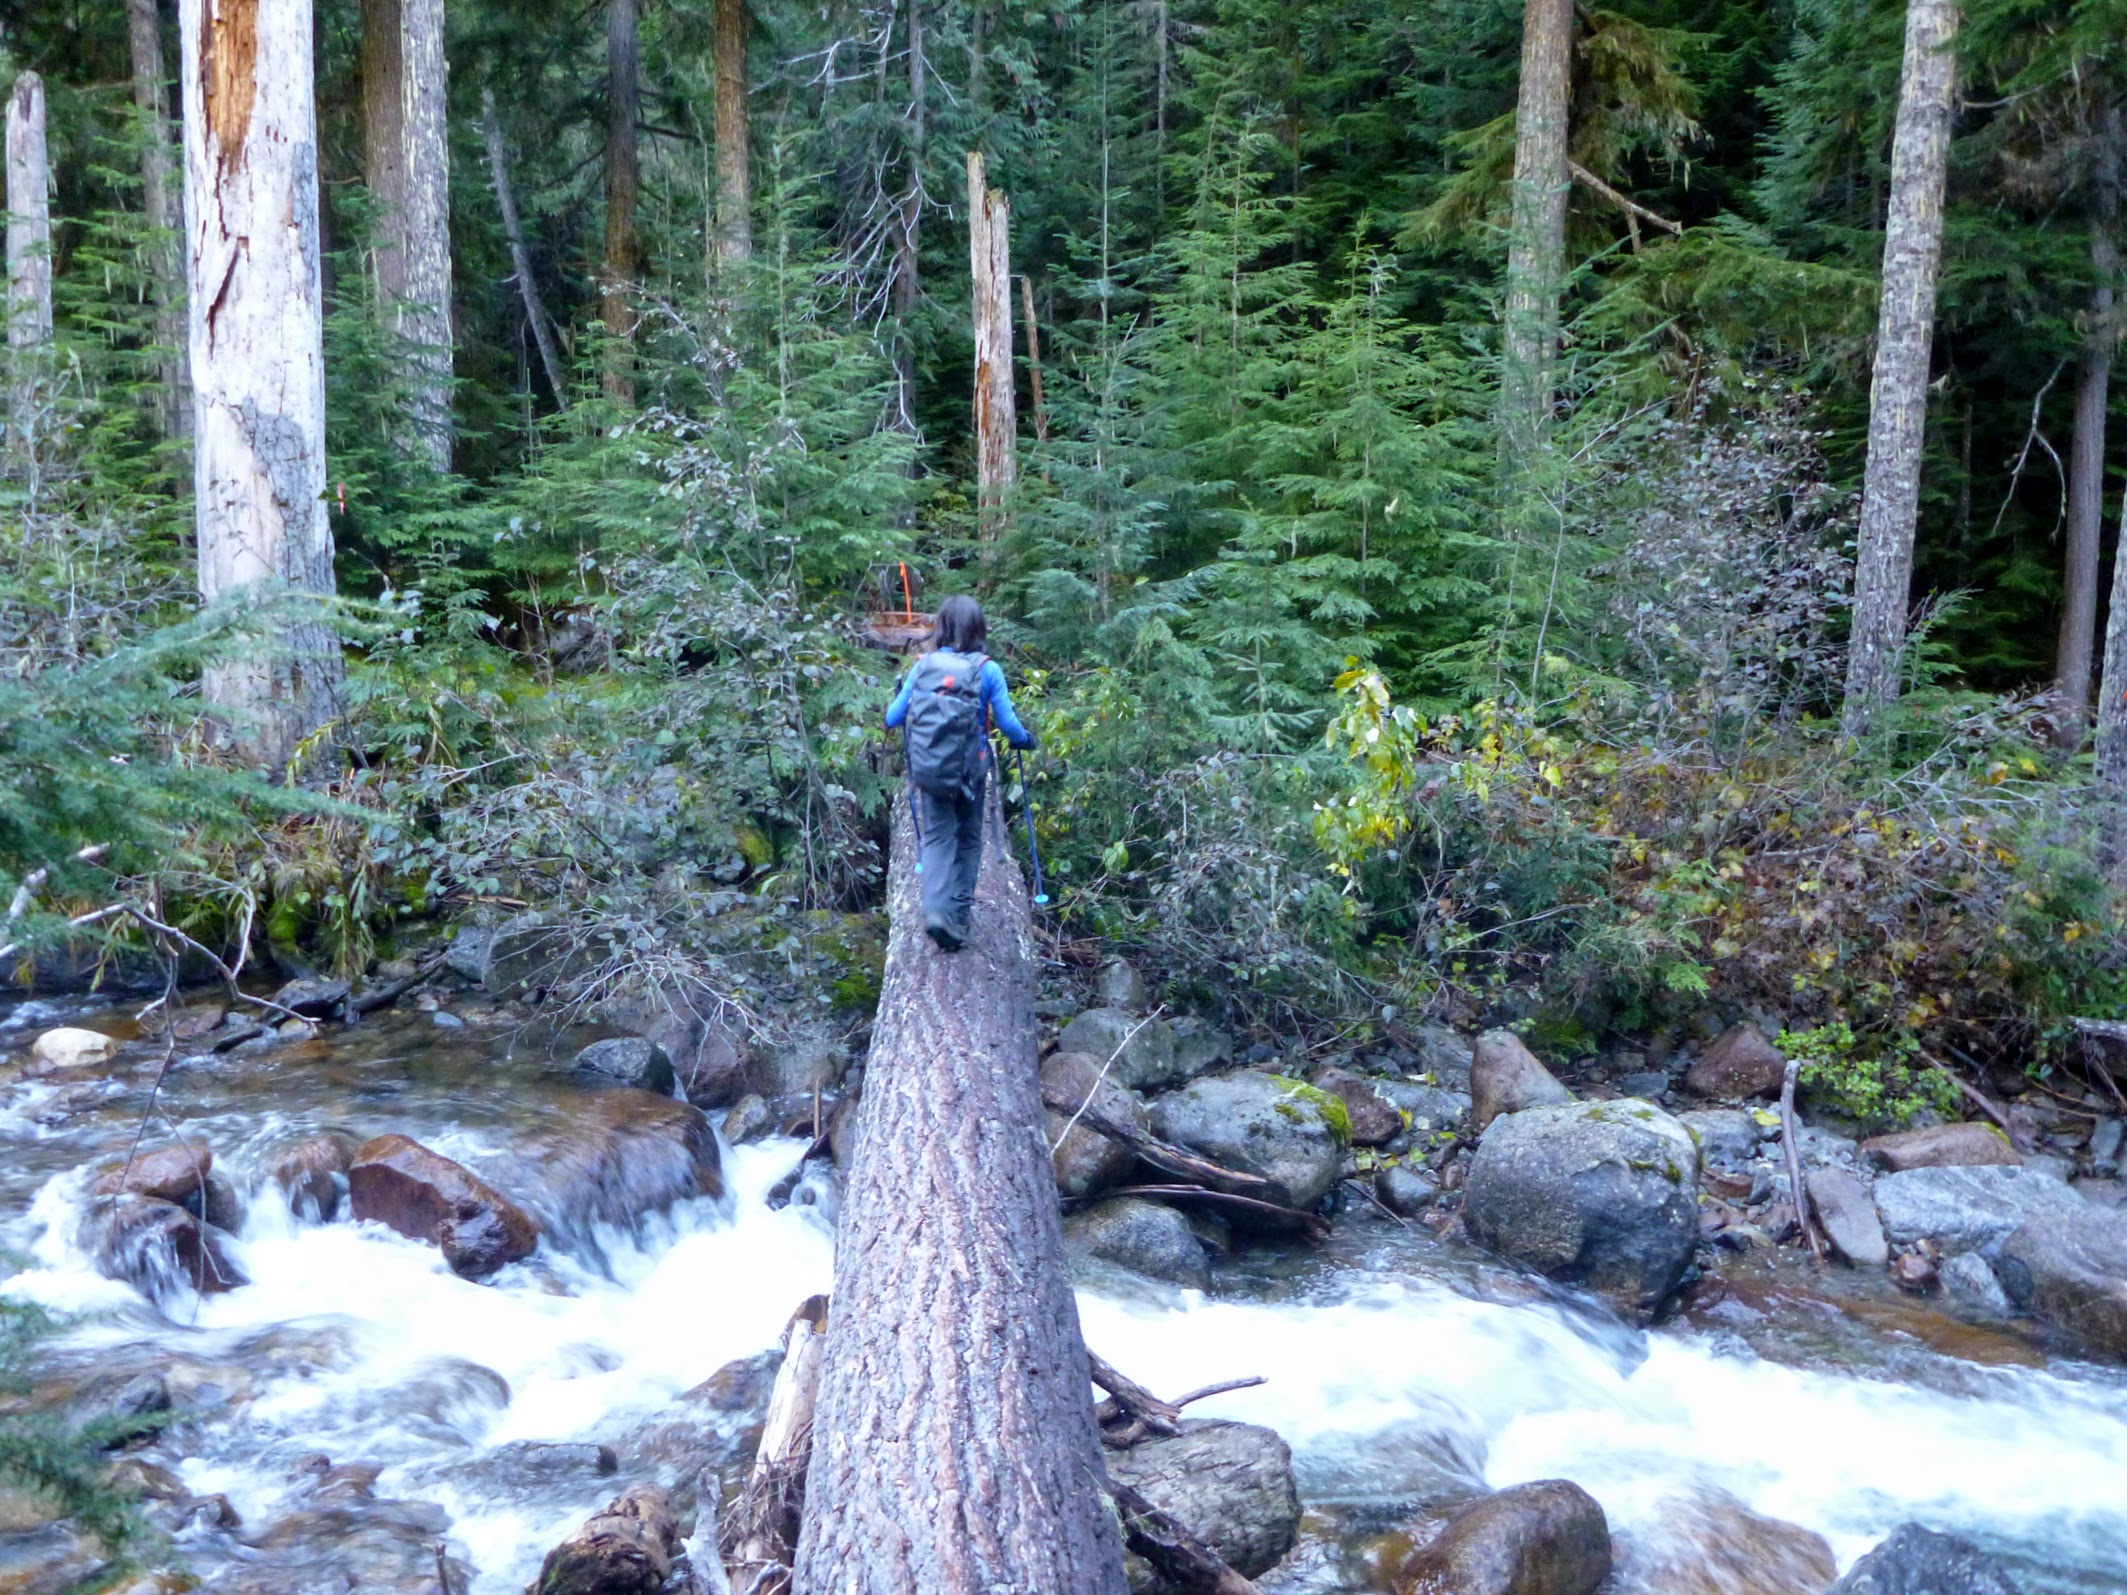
{"x": 1026, "y": 805}
{"x": 915, "y": 819}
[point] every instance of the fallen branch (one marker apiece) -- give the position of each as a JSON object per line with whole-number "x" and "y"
{"x": 1171, "y": 1159}
{"x": 1178, "y": 1556}
{"x": 384, "y": 996}
{"x": 1788, "y": 1139}
{"x": 1977, "y": 1098}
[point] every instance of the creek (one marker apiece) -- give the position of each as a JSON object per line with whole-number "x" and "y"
{"x": 1401, "y": 1369}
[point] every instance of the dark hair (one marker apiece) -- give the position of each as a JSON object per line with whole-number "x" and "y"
{"x": 960, "y": 626}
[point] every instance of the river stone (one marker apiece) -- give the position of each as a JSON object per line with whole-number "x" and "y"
{"x": 1601, "y": 1194}
{"x": 169, "y": 1174}
{"x": 1918, "y": 1561}
{"x": 1967, "y": 1209}
{"x": 313, "y": 1174}
{"x": 1848, "y": 1216}
{"x": 706, "y": 1051}
{"x": 1260, "y": 1124}
{"x": 616, "y": 1156}
{"x": 1431, "y": 1107}
{"x": 1970, "y": 1281}
{"x": 1374, "y": 1119}
{"x": 1728, "y": 1137}
{"x": 55, "y": 1556}
{"x": 1739, "y": 1063}
{"x": 1087, "y": 1162}
{"x": 1548, "y": 1538}
{"x": 1144, "y": 1237}
{"x": 426, "y": 1197}
{"x": 750, "y": 1119}
{"x": 2070, "y": 1269}
{"x": 1199, "y": 1047}
{"x": 314, "y": 996}
{"x": 631, "y": 1060}
{"x": 1143, "y": 1049}
{"x": 1506, "y": 1078}
{"x": 158, "y": 1248}
{"x": 1710, "y": 1543}
{"x": 625, "y": 1549}
{"x": 1406, "y": 1191}
{"x": 1941, "y": 1146}
{"x": 1119, "y": 985}
{"x": 1229, "y": 1484}
{"x": 71, "y": 1048}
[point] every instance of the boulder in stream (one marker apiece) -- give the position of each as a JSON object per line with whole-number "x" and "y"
{"x": 70, "y": 1047}
{"x": 1506, "y": 1078}
{"x": 2070, "y": 1269}
{"x": 625, "y": 1549}
{"x": 1229, "y": 1484}
{"x": 313, "y": 996}
{"x": 614, "y": 1157}
{"x": 1941, "y": 1146}
{"x": 1260, "y": 1124}
{"x": 1738, "y": 1063}
{"x": 169, "y": 1174}
{"x": 1849, "y": 1218}
{"x": 626, "y": 1060}
{"x": 1918, "y": 1561}
{"x": 426, "y": 1197}
{"x": 1601, "y": 1194}
{"x": 707, "y": 1051}
{"x": 1547, "y": 1538}
{"x": 313, "y": 1174}
{"x": 1967, "y": 1209}
{"x": 1374, "y": 1119}
{"x": 1710, "y": 1543}
{"x": 1142, "y": 1049}
{"x": 1086, "y": 1161}
{"x": 1144, "y": 1237}
{"x": 158, "y": 1248}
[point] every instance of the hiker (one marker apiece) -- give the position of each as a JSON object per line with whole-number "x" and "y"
{"x": 945, "y": 709}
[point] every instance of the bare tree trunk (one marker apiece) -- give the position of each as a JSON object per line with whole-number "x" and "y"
{"x": 2112, "y": 719}
{"x": 908, "y": 272}
{"x": 623, "y": 182}
{"x": 996, "y": 421}
{"x": 734, "y": 138}
{"x": 1536, "y": 240}
{"x": 1041, "y": 412}
{"x": 29, "y": 258}
{"x": 2086, "y": 455}
{"x": 159, "y": 199}
{"x": 404, "y": 76}
{"x": 251, "y": 246}
{"x": 955, "y": 1449}
{"x": 1905, "y": 336}
{"x": 520, "y": 259}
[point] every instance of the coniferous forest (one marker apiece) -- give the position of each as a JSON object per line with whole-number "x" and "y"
{"x": 1598, "y": 521}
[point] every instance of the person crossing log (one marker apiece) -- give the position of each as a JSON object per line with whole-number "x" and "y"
{"x": 954, "y": 1444}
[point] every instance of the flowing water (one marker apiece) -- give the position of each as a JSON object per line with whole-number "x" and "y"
{"x": 1402, "y": 1371}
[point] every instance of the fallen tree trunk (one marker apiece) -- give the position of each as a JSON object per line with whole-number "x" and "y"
{"x": 954, "y": 1449}
{"x": 762, "y": 1536}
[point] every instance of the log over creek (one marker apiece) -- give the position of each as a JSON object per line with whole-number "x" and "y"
{"x": 384, "y": 1394}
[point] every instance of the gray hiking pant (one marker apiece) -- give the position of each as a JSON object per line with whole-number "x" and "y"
{"x": 952, "y": 854}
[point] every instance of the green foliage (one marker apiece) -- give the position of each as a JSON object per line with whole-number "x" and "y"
{"x": 1875, "y": 1082}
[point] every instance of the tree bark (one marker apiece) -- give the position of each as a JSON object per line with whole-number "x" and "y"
{"x": 908, "y": 271}
{"x": 256, "y": 325}
{"x": 29, "y": 257}
{"x": 1905, "y": 335}
{"x": 955, "y": 1449}
{"x": 623, "y": 183}
{"x": 734, "y": 139}
{"x": 1536, "y": 239}
{"x": 996, "y": 419}
{"x": 535, "y": 310}
{"x": 158, "y": 190}
{"x": 2086, "y": 455}
{"x": 404, "y": 76}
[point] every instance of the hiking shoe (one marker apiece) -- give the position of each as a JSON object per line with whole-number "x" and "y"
{"x": 942, "y": 933}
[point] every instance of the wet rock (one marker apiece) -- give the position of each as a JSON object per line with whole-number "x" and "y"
{"x": 1915, "y": 1272}
{"x": 1229, "y": 1484}
{"x": 58, "y": 1556}
{"x": 1119, "y": 985}
{"x": 1844, "y": 1208}
{"x": 743, "y": 1385}
{"x": 313, "y": 996}
{"x": 616, "y": 1156}
{"x": 1432, "y": 1108}
{"x": 1601, "y": 1194}
{"x": 1374, "y": 1119}
{"x": 1918, "y": 1561}
{"x": 1739, "y": 1063}
{"x": 158, "y": 1248}
{"x": 749, "y": 1120}
{"x": 1143, "y": 1049}
{"x": 628, "y": 1060}
{"x": 1199, "y": 1047}
{"x": 169, "y": 1174}
{"x": 426, "y": 1197}
{"x": 1710, "y": 1543}
{"x": 313, "y": 1174}
{"x": 1406, "y": 1191}
{"x": 1728, "y": 1137}
{"x": 1967, "y": 1209}
{"x": 1506, "y": 1078}
{"x": 2104, "y": 1148}
{"x": 142, "y": 1396}
{"x": 1443, "y": 1054}
{"x": 796, "y": 1067}
{"x": 1970, "y": 1282}
{"x": 1144, "y": 1237}
{"x": 1941, "y": 1146}
{"x": 626, "y": 1549}
{"x": 2070, "y": 1270}
{"x": 1259, "y": 1124}
{"x": 1549, "y": 1538}
{"x": 70, "y": 1048}
{"x": 377, "y": 1547}
{"x": 1087, "y": 1162}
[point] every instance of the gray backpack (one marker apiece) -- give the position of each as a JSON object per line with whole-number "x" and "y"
{"x": 946, "y": 725}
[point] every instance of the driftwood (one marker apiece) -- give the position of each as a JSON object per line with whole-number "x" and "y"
{"x": 1788, "y": 1140}
{"x": 760, "y": 1540}
{"x": 955, "y": 1450}
{"x": 1178, "y": 1556}
{"x": 630, "y": 1544}
{"x": 1132, "y": 1413}
{"x": 1169, "y": 1158}
{"x": 704, "y": 1548}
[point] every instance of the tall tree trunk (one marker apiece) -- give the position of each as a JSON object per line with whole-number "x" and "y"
{"x": 954, "y": 1447}
{"x": 29, "y": 258}
{"x": 2112, "y": 718}
{"x": 404, "y": 76}
{"x": 258, "y": 367}
{"x": 2086, "y": 455}
{"x": 159, "y": 200}
{"x": 1905, "y": 336}
{"x": 535, "y": 310}
{"x": 734, "y": 138}
{"x": 1536, "y": 240}
{"x": 908, "y": 271}
{"x": 623, "y": 182}
{"x": 996, "y": 421}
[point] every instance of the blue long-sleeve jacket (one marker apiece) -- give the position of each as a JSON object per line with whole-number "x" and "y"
{"x": 996, "y": 701}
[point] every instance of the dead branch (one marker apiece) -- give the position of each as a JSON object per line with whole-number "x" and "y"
{"x": 1789, "y": 1139}
{"x": 1179, "y": 1557}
